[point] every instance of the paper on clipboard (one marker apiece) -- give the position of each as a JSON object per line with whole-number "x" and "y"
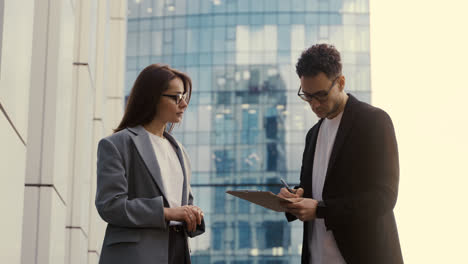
{"x": 262, "y": 198}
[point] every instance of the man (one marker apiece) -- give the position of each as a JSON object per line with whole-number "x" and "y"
{"x": 350, "y": 172}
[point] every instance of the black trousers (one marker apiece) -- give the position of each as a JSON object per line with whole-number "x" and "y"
{"x": 178, "y": 246}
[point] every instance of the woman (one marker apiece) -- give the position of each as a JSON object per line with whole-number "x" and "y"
{"x": 143, "y": 176}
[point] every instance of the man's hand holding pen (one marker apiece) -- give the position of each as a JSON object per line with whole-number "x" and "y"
{"x": 303, "y": 208}
{"x": 296, "y": 193}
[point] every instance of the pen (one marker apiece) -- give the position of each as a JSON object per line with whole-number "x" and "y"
{"x": 286, "y": 185}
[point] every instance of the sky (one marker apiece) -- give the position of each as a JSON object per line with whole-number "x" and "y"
{"x": 419, "y": 56}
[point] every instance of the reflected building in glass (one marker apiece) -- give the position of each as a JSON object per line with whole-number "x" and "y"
{"x": 245, "y": 127}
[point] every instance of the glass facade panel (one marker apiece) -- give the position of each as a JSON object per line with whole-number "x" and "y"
{"x": 245, "y": 127}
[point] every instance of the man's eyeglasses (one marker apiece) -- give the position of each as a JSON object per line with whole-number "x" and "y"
{"x": 177, "y": 97}
{"x": 320, "y": 96}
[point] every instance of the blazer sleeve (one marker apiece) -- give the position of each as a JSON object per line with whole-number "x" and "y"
{"x": 381, "y": 188}
{"x": 200, "y": 228}
{"x": 112, "y": 201}
{"x": 291, "y": 217}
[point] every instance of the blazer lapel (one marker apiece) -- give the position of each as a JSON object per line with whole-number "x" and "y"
{"x": 145, "y": 148}
{"x": 309, "y": 159}
{"x": 182, "y": 163}
{"x": 343, "y": 131}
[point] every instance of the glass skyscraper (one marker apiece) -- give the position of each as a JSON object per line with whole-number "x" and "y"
{"x": 245, "y": 126}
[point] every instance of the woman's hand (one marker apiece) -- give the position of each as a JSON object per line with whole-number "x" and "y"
{"x": 190, "y": 214}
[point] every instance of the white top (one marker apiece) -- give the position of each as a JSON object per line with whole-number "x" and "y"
{"x": 171, "y": 170}
{"x": 322, "y": 244}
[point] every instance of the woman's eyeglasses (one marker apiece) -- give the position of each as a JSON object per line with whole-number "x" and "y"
{"x": 177, "y": 97}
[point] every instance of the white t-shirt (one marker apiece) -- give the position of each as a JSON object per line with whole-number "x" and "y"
{"x": 171, "y": 170}
{"x": 322, "y": 244}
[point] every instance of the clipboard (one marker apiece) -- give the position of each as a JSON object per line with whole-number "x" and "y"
{"x": 266, "y": 199}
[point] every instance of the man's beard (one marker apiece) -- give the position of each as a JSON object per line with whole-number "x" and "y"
{"x": 333, "y": 111}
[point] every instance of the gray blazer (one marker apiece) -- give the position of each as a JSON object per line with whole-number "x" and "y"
{"x": 131, "y": 198}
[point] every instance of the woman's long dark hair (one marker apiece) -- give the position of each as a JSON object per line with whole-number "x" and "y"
{"x": 150, "y": 84}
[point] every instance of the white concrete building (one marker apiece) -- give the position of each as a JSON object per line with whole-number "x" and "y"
{"x": 61, "y": 90}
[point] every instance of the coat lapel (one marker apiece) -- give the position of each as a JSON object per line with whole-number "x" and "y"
{"x": 182, "y": 163}
{"x": 309, "y": 162}
{"x": 145, "y": 148}
{"x": 343, "y": 131}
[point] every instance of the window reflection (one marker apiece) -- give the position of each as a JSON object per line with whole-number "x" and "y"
{"x": 245, "y": 124}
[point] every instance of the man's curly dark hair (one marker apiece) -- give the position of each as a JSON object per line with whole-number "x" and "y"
{"x": 319, "y": 58}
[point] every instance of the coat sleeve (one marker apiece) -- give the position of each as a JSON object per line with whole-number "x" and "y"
{"x": 200, "y": 228}
{"x": 112, "y": 201}
{"x": 381, "y": 186}
{"x": 291, "y": 217}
